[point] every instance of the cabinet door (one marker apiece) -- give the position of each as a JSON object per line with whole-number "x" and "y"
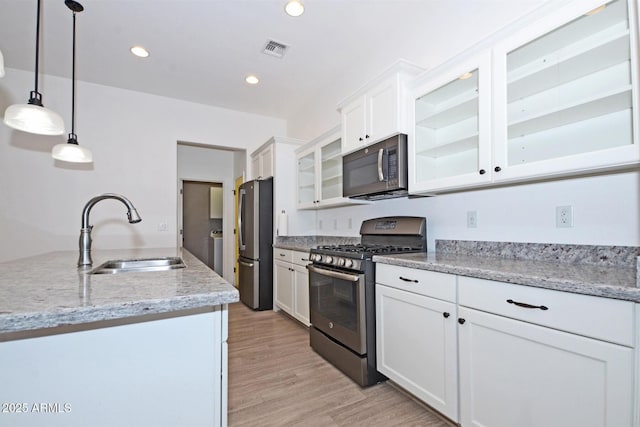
{"x": 382, "y": 111}
{"x": 283, "y": 285}
{"x": 566, "y": 93}
{"x": 266, "y": 159}
{"x": 307, "y": 193}
{"x": 451, "y": 145}
{"x": 514, "y": 373}
{"x": 353, "y": 125}
{"x": 331, "y": 172}
{"x": 256, "y": 166}
{"x": 301, "y": 292}
{"x": 416, "y": 346}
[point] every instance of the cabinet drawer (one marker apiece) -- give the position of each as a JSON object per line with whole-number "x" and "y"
{"x": 423, "y": 282}
{"x": 300, "y": 258}
{"x": 282, "y": 255}
{"x": 601, "y": 318}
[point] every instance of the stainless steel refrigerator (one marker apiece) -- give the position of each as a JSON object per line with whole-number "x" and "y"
{"x": 255, "y": 240}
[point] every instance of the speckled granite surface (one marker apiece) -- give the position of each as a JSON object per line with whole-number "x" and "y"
{"x": 47, "y": 290}
{"x": 568, "y": 268}
{"x": 304, "y": 243}
{"x": 577, "y": 254}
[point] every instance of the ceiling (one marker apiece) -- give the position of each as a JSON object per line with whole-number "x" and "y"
{"x": 201, "y": 50}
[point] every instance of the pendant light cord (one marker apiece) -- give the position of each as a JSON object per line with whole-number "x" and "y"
{"x": 73, "y": 79}
{"x": 37, "y": 45}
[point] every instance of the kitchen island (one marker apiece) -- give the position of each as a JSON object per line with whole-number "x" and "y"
{"x": 135, "y": 348}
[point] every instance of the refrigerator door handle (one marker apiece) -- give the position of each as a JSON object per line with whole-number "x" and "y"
{"x": 241, "y": 244}
{"x": 246, "y": 264}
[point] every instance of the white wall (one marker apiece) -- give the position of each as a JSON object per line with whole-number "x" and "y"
{"x": 606, "y": 212}
{"x": 133, "y": 137}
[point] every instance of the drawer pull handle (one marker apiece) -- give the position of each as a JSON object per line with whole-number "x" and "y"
{"x": 525, "y": 305}
{"x": 404, "y": 279}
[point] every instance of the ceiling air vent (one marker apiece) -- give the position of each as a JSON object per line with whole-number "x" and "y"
{"x": 274, "y": 49}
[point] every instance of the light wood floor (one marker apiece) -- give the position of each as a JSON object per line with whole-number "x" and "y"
{"x": 276, "y": 379}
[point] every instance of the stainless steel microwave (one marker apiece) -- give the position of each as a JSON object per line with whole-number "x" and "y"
{"x": 378, "y": 171}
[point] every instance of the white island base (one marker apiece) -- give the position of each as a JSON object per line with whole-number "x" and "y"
{"x": 169, "y": 371}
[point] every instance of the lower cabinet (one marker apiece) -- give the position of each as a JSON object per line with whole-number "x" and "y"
{"x": 493, "y": 354}
{"x": 513, "y": 373}
{"x": 291, "y": 283}
{"x": 416, "y": 335}
{"x": 536, "y": 357}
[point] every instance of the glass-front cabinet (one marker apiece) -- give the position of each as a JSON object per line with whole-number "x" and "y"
{"x": 564, "y": 93}
{"x": 451, "y": 141}
{"x": 307, "y": 178}
{"x": 320, "y": 173}
{"x": 553, "y": 95}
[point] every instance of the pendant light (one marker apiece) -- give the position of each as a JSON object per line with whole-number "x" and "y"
{"x": 33, "y": 117}
{"x": 71, "y": 151}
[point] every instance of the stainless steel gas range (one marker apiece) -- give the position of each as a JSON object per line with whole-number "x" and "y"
{"x": 342, "y": 293}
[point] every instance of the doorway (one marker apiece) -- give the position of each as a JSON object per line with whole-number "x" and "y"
{"x": 202, "y": 222}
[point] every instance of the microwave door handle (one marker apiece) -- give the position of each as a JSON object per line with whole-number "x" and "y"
{"x": 380, "y": 172}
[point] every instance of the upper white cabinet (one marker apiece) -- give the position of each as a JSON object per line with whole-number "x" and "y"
{"x": 565, "y": 93}
{"x": 320, "y": 173}
{"x": 262, "y": 162}
{"x": 555, "y": 94}
{"x": 451, "y": 141}
{"x": 378, "y": 109}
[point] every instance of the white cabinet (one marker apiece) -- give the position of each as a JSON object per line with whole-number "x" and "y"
{"x": 566, "y": 93}
{"x": 416, "y": 334}
{"x": 277, "y": 157}
{"x": 550, "y": 96}
{"x": 377, "y": 110}
{"x": 517, "y": 372}
{"x": 320, "y": 173}
{"x": 215, "y": 202}
{"x": 451, "y": 143}
{"x": 291, "y": 283}
{"x": 262, "y": 162}
{"x": 166, "y": 372}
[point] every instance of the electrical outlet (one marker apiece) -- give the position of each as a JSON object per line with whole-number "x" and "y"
{"x": 472, "y": 219}
{"x": 564, "y": 216}
{"x": 335, "y": 224}
{"x": 319, "y": 224}
{"x": 350, "y": 224}
{"x": 163, "y": 226}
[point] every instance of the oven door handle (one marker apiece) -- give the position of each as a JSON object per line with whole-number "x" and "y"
{"x": 334, "y": 274}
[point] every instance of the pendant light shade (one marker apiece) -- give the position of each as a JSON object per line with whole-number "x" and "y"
{"x": 33, "y": 117}
{"x": 71, "y": 151}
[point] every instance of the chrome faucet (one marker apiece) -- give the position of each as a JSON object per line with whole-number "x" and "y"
{"x": 85, "y": 232}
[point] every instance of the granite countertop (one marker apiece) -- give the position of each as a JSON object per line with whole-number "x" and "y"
{"x": 305, "y": 243}
{"x": 608, "y": 281}
{"x": 47, "y": 291}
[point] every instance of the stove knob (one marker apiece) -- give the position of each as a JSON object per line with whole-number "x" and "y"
{"x": 318, "y": 258}
{"x": 348, "y": 263}
{"x": 341, "y": 262}
{"x": 329, "y": 260}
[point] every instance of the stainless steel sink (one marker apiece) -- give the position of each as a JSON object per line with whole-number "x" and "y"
{"x": 139, "y": 265}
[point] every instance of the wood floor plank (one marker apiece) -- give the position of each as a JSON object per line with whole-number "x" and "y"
{"x": 276, "y": 379}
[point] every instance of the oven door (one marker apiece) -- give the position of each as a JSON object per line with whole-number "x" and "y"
{"x": 337, "y": 307}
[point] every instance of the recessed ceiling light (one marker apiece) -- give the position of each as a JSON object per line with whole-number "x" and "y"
{"x": 294, "y": 8}
{"x": 466, "y": 75}
{"x": 139, "y": 51}
{"x": 251, "y": 79}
